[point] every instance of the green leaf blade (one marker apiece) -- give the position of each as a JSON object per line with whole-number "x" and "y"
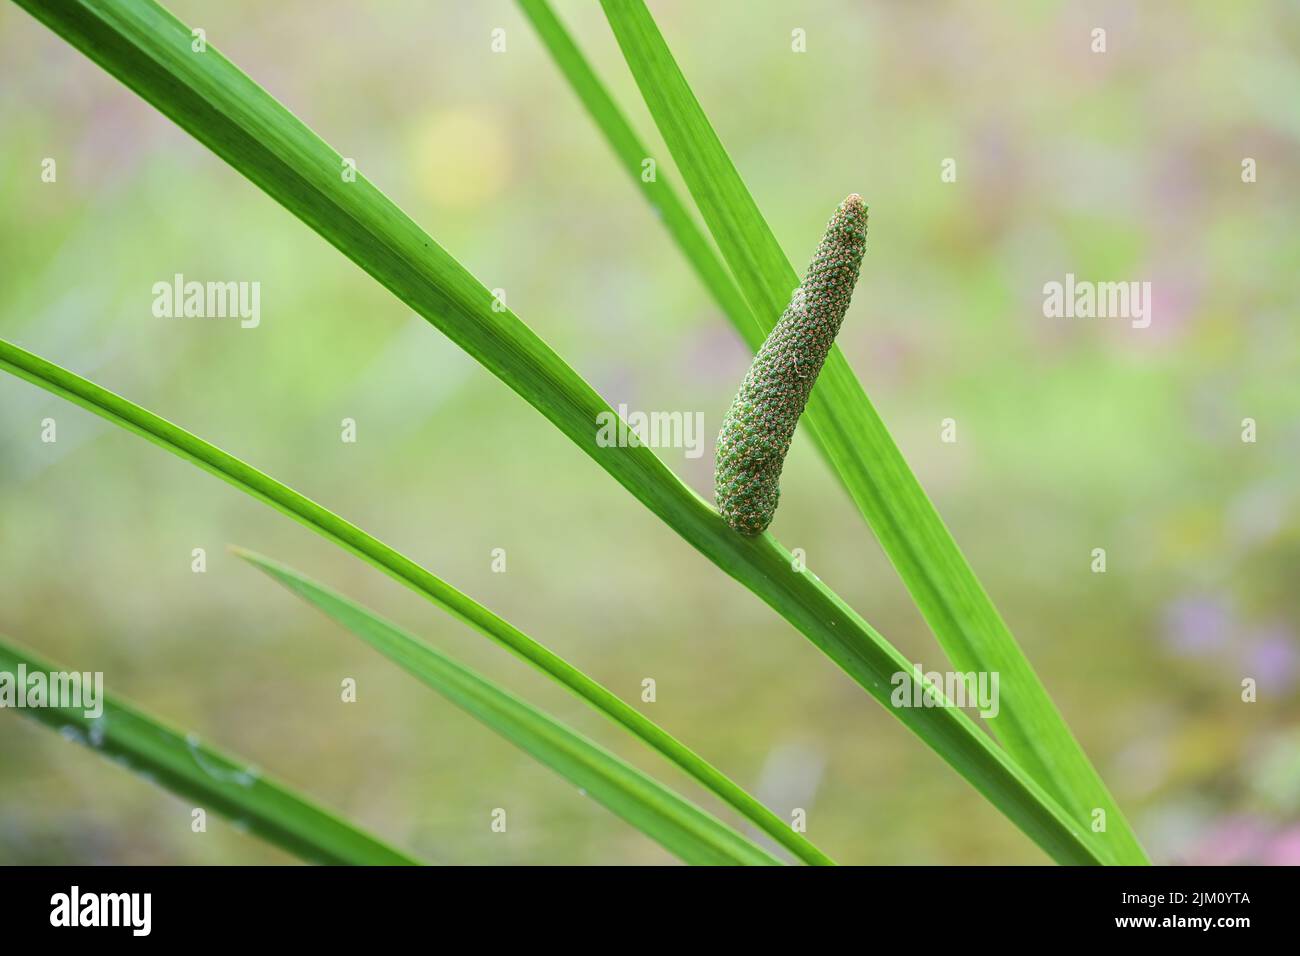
{"x": 631, "y": 152}
{"x": 219, "y": 782}
{"x": 680, "y": 826}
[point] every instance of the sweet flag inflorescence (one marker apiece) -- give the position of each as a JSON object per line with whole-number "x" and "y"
{"x": 757, "y": 431}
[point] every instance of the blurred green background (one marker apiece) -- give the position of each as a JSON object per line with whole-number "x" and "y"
{"x": 1072, "y": 434}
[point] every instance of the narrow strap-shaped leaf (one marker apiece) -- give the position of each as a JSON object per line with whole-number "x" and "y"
{"x": 631, "y": 153}
{"x": 845, "y": 424}
{"x": 149, "y": 50}
{"x": 330, "y": 526}
{"x": 217, "y": 782}
{"x": 661, "y": 814}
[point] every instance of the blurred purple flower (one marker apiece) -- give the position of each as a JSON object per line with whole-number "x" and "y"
{"x": 1176, "y": 296}
{"x": 1274, "y": 657}
{"x": 1235, "y": 840}
{"x": 1196, "y": 625}
{"x": 1284, "y": 848}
